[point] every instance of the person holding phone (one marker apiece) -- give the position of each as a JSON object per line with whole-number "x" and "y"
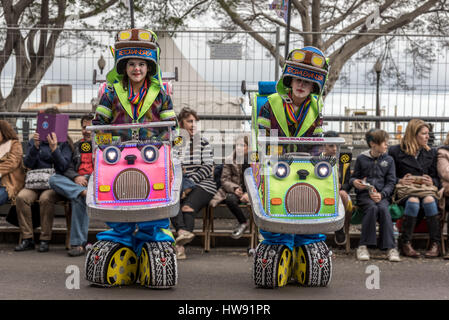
{"x": 414, "y": 157}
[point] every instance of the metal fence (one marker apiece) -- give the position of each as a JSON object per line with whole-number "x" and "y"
{"x": 413, "y": 81}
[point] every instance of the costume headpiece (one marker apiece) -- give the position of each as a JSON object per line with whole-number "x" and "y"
{"x": 139, "y": 44}
{"x": 308, "y": 63}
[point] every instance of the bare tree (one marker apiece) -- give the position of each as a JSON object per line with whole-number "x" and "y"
{"x": 31, "y": 31}
{"x": 338, "y": 27}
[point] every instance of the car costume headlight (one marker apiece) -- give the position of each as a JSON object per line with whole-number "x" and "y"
{"x": 281, "y": 170}
{"x": 111, "y": 155}
{"x": 149, "y": 154}
{"x": 322, "y": 170}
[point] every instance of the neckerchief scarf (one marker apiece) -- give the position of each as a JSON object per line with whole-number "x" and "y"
{"x": 297, "y": 119}
{"x": 137, "y": 99}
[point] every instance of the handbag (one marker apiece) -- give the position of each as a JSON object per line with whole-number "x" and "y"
{"x": 402, "y": 191}
{"x": 37, "y": 179}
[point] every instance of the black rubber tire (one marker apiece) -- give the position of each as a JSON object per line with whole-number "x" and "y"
{"x": 104, "y": 257}
{"x": 271, "y": 267}
{"x": 158, "y": 267}
{"x": 313, "y": 265}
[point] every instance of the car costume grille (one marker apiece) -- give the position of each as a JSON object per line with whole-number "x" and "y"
{"x": 131, "y": 184}
{"x": 302, "y": 198}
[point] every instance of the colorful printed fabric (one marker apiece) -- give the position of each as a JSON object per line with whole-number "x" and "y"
{"x": 296, "y": 119}
{"x": 111, "y": 111}
{"x": 266, "y": 120}
{"x": 137, "y": 99}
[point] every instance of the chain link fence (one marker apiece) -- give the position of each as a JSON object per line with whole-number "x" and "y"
{"x": 211, "y": 65}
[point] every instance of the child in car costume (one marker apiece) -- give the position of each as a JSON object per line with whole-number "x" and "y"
{"x": 123, "y": 252}
{"x": 311, "y": 66}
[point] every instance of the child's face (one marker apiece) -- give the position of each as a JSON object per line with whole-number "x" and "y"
{"x": 330, "y": 150}
{"x": 189, "y": 124}
{"x": 86, "y": 134}
{"x": 136, "y": 69}
{"x": 241, "y": 148}
{"x": 380, "y": 148}
{"x": 301, "y": 88}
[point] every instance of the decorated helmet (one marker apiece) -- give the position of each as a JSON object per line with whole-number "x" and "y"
{"x": 138, "y": 44}
{"x": 308, "y": 63}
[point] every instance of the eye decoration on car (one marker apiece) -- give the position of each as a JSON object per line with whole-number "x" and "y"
{"x": 111, "y": 155}
{"x": 323, "y": 169}
{"x": 149, "y": 153}
{"x": 281, "y": 169}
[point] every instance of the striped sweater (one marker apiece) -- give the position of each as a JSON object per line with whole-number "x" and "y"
{"x": 197, "y": 161}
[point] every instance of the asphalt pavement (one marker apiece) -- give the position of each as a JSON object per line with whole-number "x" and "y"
{"x": 222, "y": 274}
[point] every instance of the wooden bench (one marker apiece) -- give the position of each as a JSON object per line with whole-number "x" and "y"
{"x": 211, "y": 233}
{"x": 416, "y": 234}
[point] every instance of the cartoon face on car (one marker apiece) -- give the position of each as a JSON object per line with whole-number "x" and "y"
{"x": 133, "y": 173}
{"x": 301, "y": 187}
{"x": 296, "y": 192}
{"x": 134, "y": 180}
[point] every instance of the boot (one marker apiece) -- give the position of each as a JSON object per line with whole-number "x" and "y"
{"x": 408, "y": 226}
{"x": 434, "y": 251}
{"x": 433, "y": 224}
{"x": 408, "y": 251}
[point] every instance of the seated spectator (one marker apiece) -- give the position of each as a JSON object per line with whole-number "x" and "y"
{"x": 40, "y": 155}
{"x": 443, "y": 172}
{"x": 416, "y": 162}
{"x": 330, "y": 150}
{"x": 233, "y": 189}
{"x": 374, "y": 179}
{"x": 197, "y": 162}
{"x": 73, "y": 186}
{"x": 12, "y": 174}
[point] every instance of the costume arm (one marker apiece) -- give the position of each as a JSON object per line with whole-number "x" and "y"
{"x": 104, "y": 110}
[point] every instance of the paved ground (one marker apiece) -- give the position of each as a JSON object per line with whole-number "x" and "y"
{"x": 223, "y": 274}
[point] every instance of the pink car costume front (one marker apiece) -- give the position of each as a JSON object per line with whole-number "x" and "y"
{"x": 135, "y": 182}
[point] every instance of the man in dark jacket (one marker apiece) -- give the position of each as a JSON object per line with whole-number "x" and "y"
{"x": 73, "y": 185}
{"x": 374, "y": 178}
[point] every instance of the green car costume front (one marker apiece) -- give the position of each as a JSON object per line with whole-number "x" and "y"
{"x": 308, "y": 64}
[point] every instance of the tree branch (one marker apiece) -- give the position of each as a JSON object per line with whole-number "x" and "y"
{"x": 238, "y": 21}
{"x": 332, "y": 23}
{"x": 354, "y": 26}
{"x": 339, "y": 57}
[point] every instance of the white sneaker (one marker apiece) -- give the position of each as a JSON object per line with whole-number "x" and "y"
{"x": 180, "y": 253}
{"x": 393, "y": 255}
{"x": 237, "y": 233}
{"x": 362, "y": 253}
{"x": 184, "y": 237}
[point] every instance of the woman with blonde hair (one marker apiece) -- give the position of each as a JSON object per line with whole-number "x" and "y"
{"x": 443, "y": 172}
{"x": 416, "y": 163}
{"x": 12, "y": 174}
